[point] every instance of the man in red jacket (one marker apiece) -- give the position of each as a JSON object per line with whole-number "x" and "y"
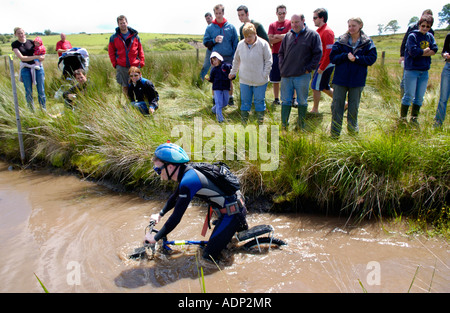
{"x": 125, "y": 50}
{"x": 321, "y": 79}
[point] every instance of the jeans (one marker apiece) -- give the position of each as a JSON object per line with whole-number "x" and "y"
{"x": 206, "y": 64}
{"x": 300, "y": 84}
{"x": 256, "y": 94}
{"x": 28, "y": 84}
{"x": 415, "y": 87}
{"x": 141, "y": 106}
{"x": 445, "y": 93}
{"x": 221, "y": 98}
{"x": 337, "y": 108}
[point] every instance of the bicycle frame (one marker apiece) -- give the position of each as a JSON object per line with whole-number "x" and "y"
{"x": 167, "y": 243}
{"x": 253, "y": 234}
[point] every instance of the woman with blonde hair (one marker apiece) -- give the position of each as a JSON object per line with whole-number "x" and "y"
{"x": 253, "y": 60}
{"x": 352, "y": 53}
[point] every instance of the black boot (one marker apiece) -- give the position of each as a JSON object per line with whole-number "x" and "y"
{"x": 414, "y": 115}
{"x": 404, "y": 111}
{"x": 403, "y": 114}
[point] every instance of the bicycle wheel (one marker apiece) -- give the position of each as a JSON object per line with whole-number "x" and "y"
{"x": 264, "y": 243}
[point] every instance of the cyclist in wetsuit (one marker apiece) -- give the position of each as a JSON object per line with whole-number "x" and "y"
{"x": 171, "y": 163}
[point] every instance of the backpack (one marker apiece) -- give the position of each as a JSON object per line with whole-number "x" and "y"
{"x": 220, "y": 175}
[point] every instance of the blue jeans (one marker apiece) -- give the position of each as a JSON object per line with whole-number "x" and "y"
{"x": 141, "y": 106}
{"x": 445, "y": 93}
{"x": 300, "y": 84}
{"x": 415, "y": 86}
{"x": 25, "y": 73}
{"x": 256, "y": 94}
{"x": 206, "y": 64}
{"x": 338, "y": 105}
{"x": 221, "y": 99}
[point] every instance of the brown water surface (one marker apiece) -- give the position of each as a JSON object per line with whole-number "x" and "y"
{"x": 75, "y": 236}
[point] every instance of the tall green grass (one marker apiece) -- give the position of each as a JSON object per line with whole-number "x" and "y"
{"x": 384, "y": 171}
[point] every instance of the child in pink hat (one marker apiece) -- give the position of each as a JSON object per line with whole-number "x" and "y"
{"x": 39, "y": 49}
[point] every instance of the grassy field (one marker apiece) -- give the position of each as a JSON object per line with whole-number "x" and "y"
{"x": 385, "y": 171}
{"x": 96, "y": 43}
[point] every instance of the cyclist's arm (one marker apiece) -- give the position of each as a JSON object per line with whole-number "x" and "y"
{"x": 170, "y": 204}
{"x": 182, "y": 201}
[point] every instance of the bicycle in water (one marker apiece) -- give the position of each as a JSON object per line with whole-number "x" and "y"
{"x": 257, "y": 238}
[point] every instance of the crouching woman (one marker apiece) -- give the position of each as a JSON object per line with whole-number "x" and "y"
{"x": 142, "y": 92}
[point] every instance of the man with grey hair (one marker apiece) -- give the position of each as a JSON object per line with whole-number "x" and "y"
{"x": 299, "y": 55}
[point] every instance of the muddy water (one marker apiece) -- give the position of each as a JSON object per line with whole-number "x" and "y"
{"x": 75, "y": 236}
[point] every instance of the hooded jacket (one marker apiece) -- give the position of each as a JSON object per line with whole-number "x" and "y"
{"x": 352, "y": 74}
{"x": 416, "y": 43}
{"x": 126, "y": 52}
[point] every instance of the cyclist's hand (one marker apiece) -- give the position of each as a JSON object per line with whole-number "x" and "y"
{"x": 155, "y": 217}
{"x": 149, "y": 238}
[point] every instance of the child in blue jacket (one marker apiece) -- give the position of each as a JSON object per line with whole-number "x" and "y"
{"x": 221, "y": 84}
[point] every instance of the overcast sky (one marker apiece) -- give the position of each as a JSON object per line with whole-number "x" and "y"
{"x": 187, "y": 17}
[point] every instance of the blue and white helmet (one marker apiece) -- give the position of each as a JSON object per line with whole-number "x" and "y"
{"x": 171, "y": 153}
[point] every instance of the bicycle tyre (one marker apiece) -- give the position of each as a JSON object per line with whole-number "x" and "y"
{"x": 264, "y": 242}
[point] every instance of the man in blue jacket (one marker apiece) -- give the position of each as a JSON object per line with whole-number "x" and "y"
{"x": 223, "y": 38}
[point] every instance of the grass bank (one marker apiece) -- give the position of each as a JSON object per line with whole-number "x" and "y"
{"x": 384, "y": 171}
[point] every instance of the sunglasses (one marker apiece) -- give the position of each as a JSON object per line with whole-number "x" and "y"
{"x": 425, "y": 26}
{"x": 158, "y": 170}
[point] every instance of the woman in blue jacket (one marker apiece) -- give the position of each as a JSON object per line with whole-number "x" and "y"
{"x": 352, "y": 53}
{"x": 420, "y": 46}
{"x": 141, "y": 89}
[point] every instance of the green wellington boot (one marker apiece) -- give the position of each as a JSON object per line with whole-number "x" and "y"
{"x": 301, "y": 116}
{"x": 285, "y": 112}
{"x": 244, "y": 117}
{"x": 260, "y": 117}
